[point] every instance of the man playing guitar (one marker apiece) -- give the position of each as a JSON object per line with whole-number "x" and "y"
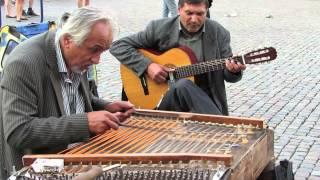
{"x": 205, "y": 37}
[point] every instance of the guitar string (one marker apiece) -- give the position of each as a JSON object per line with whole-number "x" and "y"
{"x": 194, "y": 69}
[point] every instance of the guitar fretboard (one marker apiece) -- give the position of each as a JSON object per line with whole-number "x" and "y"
{"x": 200, "y": 68}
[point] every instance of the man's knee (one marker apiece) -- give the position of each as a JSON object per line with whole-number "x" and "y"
{"x": 183, "y": 87}
{"x": 183, "y": 84}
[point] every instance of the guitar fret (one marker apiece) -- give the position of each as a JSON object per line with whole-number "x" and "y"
{"x": 199, "y": 68}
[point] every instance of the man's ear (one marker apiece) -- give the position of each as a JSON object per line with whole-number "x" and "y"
{"x": 179, "y": 10}
{"x": 66, "y": 40}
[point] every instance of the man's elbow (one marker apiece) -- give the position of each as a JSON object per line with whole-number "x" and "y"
{"x": 17, "y": 140}
{"x": 114, "y": 49}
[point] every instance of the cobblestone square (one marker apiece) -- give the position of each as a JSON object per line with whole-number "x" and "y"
{"x": 284, "y": 93}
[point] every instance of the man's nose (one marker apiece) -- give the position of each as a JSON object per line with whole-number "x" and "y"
{"x": 194, "y": 18}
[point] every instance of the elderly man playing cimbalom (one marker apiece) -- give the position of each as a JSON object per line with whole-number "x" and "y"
{"x": 45, "y": 99}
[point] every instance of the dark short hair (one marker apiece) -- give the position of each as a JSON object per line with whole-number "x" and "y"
{"x": 182, "y": 2}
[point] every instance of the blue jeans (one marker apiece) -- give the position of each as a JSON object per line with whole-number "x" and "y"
{"x": 169, "y": 6}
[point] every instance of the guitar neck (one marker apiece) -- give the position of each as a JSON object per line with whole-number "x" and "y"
{"x": 199, "y": 68}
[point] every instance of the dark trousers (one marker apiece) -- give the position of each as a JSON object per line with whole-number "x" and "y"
{"x": 185, "y": 96}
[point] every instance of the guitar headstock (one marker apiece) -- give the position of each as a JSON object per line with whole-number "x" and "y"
{"x": 259, "y": 56}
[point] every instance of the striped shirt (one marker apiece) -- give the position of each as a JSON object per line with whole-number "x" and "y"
{"x": 73, "y": 99}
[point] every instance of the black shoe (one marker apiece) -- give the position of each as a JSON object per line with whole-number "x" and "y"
{"x": 8, "y": 16}
{"x": 24, "y": 13}
{"x": 31, "y": 12}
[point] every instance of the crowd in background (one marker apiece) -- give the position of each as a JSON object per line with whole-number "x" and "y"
{"x": 21, "y": 14}
{"x": 15, "y": 9}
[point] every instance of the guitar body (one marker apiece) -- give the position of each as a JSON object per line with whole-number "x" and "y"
{"x": 133, "y": 87}
{"x": 147, "y": 94}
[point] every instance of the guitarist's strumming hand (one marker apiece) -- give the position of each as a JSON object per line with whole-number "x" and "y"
{"x": 234, "y": 66}
{"x": 158, "y": 73}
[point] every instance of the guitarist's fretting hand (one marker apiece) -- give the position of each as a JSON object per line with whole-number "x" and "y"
{"x": 158, "y": 73}
{"x": 234, "y": 66}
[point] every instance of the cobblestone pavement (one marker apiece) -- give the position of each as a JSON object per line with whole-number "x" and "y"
{"x": 285, "y": 92}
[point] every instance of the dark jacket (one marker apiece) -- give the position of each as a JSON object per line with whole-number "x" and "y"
{"x": 32, "y": 116}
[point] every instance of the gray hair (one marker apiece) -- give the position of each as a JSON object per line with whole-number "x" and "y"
{"x": 80, "y": 22}
{"x": 63, "y": 19}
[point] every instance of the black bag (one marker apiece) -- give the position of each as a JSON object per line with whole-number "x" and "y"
{"x": 284, "y": 171}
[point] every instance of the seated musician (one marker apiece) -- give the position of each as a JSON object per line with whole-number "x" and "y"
{"x": 207, "y": 39}
{"x": 45, "y": 99}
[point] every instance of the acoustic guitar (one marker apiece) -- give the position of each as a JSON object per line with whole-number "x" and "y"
{"x": 145, "y": 93}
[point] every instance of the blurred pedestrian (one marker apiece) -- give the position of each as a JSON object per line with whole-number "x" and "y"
{"x": 208, "y": 12}
{"x": 30, "y": 11}
{"x": 82, "y": 3}
{"x": 8, "y": 9}
{"x": 169, "y": 6}
{"x": 19, "y": 10}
